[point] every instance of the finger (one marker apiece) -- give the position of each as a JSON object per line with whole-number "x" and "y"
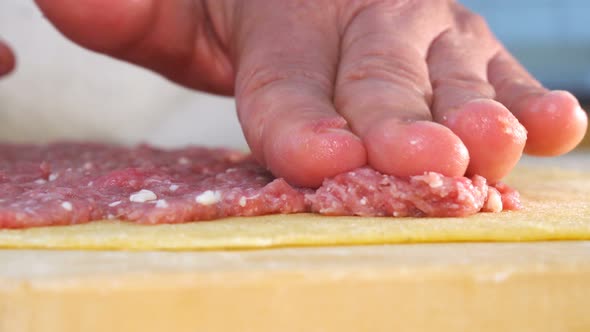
{"x": 169, "y": 37}
{"x": 384, "y": 92}
{"x": 7, "y": 61}
{"x": 284, "y": 95}
{"x": 554, "y": 119}
{"x": 463, "y": 101}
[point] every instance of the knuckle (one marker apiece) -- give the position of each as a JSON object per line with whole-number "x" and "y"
{"x": 320, "y": 10}
{"x": 387, "y": 65}
{"x": 265, "y": 77}
{"x": 350, "y": 10}
{"x": 524, "y": 86}
{"x": 470, "y": 23}
{"x": 463, "y": 82}
{"x": 477, "y": 22}
{"x": 376, "y": 67}
{"x": 258, "y": 78}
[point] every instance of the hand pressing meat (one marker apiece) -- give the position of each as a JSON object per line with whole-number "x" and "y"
{"x": 327, "y": 86}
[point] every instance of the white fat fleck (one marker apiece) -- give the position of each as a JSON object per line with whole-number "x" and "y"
{"x": 90, "y": 184}
{"x": 396, "y": 214}
{"x": 208, "y": 197}
{"x": 67, "y": 206}
{"x": 88, "y": 165}
{"x": 173, "y": 187}
{"x": 143, "y": 196}
{"x": 183, "y": 161}
{"x": 161, "y": 203}
{"x": 494, "y": 201}
{"x": 110, "y": 216}
{"x": 242, "y": 201}
{"x": 53, "y": 176}
{"x": 461, "y": 197}
{"x": 413, "y": 142}
{"x": 231, "y": 170}
{"x": 113, "y": 204}
{"x": 40, "y": 181}
{"x": 353, "y": 174}
{"x": 283, "y": 197}
{"x": 363, "y": 201}
{"x": 435, "y": 181}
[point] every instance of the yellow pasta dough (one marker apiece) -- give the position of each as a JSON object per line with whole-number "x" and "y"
{"x": 557, "y": 207}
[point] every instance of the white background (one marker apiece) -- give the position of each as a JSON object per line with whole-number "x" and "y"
{"x": 61, "y": 91}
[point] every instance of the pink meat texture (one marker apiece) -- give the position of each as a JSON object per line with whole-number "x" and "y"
{"x": 72, "y": 183}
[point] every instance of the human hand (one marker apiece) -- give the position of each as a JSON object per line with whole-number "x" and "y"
{"x": 326, "y": 86}
{"x": 6, "y": 59}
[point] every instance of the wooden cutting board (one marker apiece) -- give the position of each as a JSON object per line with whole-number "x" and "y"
{"x": 414, "y": 287}
{"x": 535, "y": 286}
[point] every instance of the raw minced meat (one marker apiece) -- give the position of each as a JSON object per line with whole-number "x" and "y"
{"x": 70, "y": 183}
{"x": 365, "y": 192}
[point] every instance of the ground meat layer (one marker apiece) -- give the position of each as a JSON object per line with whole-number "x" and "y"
{"x": 70, "y": 183}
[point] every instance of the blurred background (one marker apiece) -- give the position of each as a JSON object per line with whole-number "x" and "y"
{"x": 61, "y": 91}
{"x": 550, "y": 37}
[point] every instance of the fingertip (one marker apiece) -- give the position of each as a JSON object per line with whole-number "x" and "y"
{"x": 413, "y": 148}
{"x": 305, "y": 156}
{"x": 7, "y": 60}
{"x": 494, "y": 137}
{"x": 555, "y": 121}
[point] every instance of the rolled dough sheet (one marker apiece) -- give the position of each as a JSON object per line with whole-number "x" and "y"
{"x": 556, "y": 200}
